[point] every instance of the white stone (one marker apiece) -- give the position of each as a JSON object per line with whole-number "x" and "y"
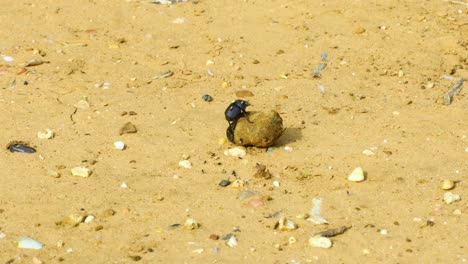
{"x": 29, "y": 243}
{"x": 81, "y": 171}
{"x": 384, "y": 232}
{"x": 450, "y": 197}
{"x": 239, "y": 152}
{"x": 89, "y": 219}
{"x": 357, "y": 175}
{"x": 368, "y": 152}
{"x": 320, "y": 242}
{"x": 276, "y": 184}
{"x": 46, "y": 135}
{"x": 186, "y": 164}
{"x": 232, "y": 242}
{"x": 123, "y": 185}
{"x": 120, "y": 145}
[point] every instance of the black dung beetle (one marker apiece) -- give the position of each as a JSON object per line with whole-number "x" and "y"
{"x": 234, "y": 111}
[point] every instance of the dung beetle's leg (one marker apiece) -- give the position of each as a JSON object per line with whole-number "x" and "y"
{"x": 230, "y": 130}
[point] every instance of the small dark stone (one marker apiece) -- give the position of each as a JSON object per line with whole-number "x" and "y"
{"x": 227, "y": 236}
{"x": 224, "y": 183}
{"x": 135, "y": 258}
{"x": 26, "y": 83}
{"x": 173, "y": 226}
{"x": 214, "y": 237}
{"x": 128, "y": 128}
{"x": 19, "y": 146}
{"x": 207, "y": 98}
{"x": 132, "y": 113}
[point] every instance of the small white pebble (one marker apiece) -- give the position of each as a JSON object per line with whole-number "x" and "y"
{"x": 186, "y": 164}
{"x": 357, "y": 175}
{"x": 89, "y": 219}
{"x": 120, "y": 145}
{"x": 232, "y": 242}
{"x": 7, "y": 58}
{"x": 69, "y": 250}
{"x": 417, "y": 219}
{"x": 239, "y": 152}
{"x": 123, "y": 185}
{"x": 288, "y": 148}
{"x": 276, "y": 183}
{"x": 209, "y": 62}
{"x": 395, "y": 113}
{"x": 366, "y": 251}
{"x": 2, "y": 235}
{"x": 368, "y": 152}
{"x": 450, "y": 197}
{"x": 48, "y": 134}
{"x": 179, "y": 20}
{"x": 466, "y": 149}
{"x": 383, "y": 232}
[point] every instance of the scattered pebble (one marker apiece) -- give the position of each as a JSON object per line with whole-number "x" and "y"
{"x": 49, "y": 134}
{"x": 73, "y": 220}
{"x": 261, "y": 172}
{"x": 186, "y": 164}
{"x": 238, "y": 183}
{"x": 288, "y": 149}
{"x": 357, "y": 175}
{"x": 89, "y": 219}
{"x": 368, "y": 152}
{"x": 359, "y": 30}
{"x": 198, "y": 250}
{"x": 320, "y": 242}
{"x": 214, "y": 237}
{"x": 383, "y": 232}
{"x": 207, "y": 98}
{"x": 191, "y": 224}
{"x": 19, "y": 146}
{"x": 447, "y": 184}
{"x": 28, "y": 243}
{"x": 276, "y": 183}
{"x": 128, "y": 128}
{"x": 244, "y": 194}
{"x": 53, "y": 173}
{"x": 224, "y": 183}
{"x": 179, "y": 20}
{"x": 7, "y": 58}
{"x": 2, "y": 235}
{"x": 120, "y": 145}
{"x": 81, "y": 171}
{"x": 285, "y": 224}
{"x": 239, "y": 152}
{"x": 450, "y": 197}
{"x": 124, "y": 185}
{"x": 255, "y": 203}
{"x": 232, "y": 242}
{"x": 457, "y": 212}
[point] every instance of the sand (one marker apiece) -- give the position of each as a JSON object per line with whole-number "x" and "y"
{"x": 381, "y": 90}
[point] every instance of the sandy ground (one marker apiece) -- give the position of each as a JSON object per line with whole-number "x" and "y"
{"x": 381, "y": 90}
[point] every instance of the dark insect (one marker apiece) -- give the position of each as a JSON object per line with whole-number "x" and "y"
{"x": 234, "y": 111}
{"x": 20, "y": 147}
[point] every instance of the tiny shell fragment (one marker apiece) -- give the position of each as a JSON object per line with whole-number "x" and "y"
{"x": 81, "y": 171}
{"x": 28, "y": 243}
{"x": 320, "y": 242}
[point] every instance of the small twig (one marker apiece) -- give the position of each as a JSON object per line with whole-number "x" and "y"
{"x": 454, "y": 90}
{"x": 332, "y": 232}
